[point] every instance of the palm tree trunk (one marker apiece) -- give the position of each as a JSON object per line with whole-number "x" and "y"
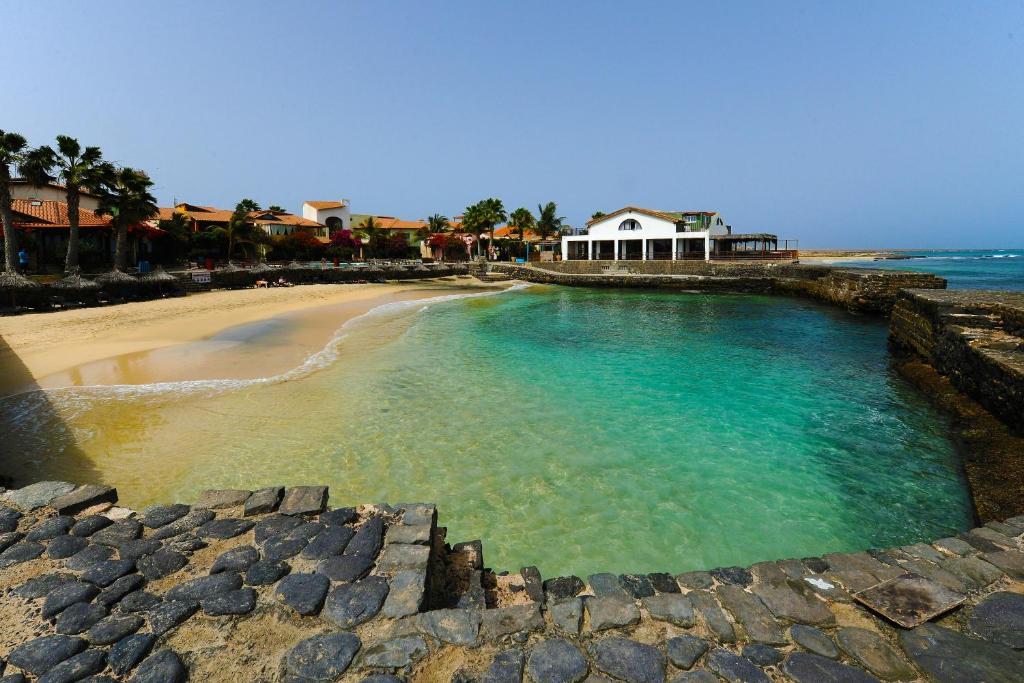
{"x": 71, "y": 262}
{"x": 7, "y": 218}
{"x": 120, "y": 246}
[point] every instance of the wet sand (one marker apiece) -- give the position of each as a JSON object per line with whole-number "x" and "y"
{"x": 234, "y": 334}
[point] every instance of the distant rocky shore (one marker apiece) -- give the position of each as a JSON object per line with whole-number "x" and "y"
{"x": 276, "y": 585}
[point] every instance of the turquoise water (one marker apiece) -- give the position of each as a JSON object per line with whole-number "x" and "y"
{"x": 577, "y": 430}
{"x": 971, "y": 269}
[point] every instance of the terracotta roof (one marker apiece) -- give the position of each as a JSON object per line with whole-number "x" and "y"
{"x": 34, "y": 213}
{"x": 509, "y": 231}
{"x": 281, "y": 218}
{"x": 636, "y": 209}
{"x": 387, "y": 222}
{"x": 326, "y": 205}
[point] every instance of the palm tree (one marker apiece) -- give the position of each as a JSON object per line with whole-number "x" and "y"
{"x": 273, "y": 207}
{"x": 240, "y": 229}
{"x": 12, "y": 153}
{"x": 482, "y": 217}
{"x": 548, "y": 222}
{"x": 597, "y": 214}
{"x": 125, "y": 196}
{"x": 76, "y": 169}
{"x": 522, "y": 220}
{"x": 438, "y": 223}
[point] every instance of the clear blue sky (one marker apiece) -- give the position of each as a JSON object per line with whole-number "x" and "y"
{"x": 845, "y": 124}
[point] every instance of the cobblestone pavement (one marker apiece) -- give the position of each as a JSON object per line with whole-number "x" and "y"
{"x": 274, "y": 585}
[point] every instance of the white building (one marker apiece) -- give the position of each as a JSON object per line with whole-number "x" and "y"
{"x": 335, "y": 215}
{"x": 632, "y": 233}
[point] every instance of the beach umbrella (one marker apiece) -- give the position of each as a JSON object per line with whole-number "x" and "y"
{"x": 261, "y": 267}
{"x": 75, "y": 281}
{"x": 13, "y": 282}
{"x": 75, "y": 287}
{"x": 296, "y": 264}
{"x": 116, "y": 277}
{"x": 230, "y": 268}
{"x": 160, "y": 277}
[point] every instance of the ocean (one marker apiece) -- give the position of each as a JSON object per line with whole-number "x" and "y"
{"x": 970, "y": 269}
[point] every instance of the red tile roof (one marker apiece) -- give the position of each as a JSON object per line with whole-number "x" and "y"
{"x": 34, "y": 213}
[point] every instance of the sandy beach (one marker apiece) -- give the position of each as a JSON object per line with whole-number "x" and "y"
{"x": 105, "y": 345}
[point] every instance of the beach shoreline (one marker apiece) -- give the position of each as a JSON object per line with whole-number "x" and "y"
{"x": 50, "y": 349}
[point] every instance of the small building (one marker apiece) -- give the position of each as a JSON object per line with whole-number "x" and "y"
{"x": 336, "y": 215}
{"x": 284, "y": 223}
{"x": 411, "y": 230}
{"x": 634, "y": 233}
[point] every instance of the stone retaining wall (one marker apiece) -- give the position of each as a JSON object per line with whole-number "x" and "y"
{"x": 861, "y": 290}
{"x": 975, "y": 338}
{"x": 275, "y": 585}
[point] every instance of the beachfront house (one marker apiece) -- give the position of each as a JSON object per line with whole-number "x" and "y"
{"x": 336, "y": 215}
{"x": 284, "y": 223}
{"x": 40, "y": 215}
{"x": 271, "y": 222}
{"x": 633, "y": 233}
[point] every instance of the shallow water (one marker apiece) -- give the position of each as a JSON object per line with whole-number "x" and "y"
{"x": 578, "y": 430}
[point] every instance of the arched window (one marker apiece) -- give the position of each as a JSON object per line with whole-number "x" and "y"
{"x": 333, "y": 223}
{"x": 629, "y": 224}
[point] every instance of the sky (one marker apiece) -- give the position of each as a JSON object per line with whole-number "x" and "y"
{"x": 841, "y": 124}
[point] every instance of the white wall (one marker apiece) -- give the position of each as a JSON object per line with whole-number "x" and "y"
{"x": 321, "y": 215}
{"x": 50, "y": 194}
{"x": 651, "y": 227}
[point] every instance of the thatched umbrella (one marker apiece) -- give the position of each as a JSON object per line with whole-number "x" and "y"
{"x": 14, "y": 282}
{"x": 230, "y": 268}
{"x": 261, "y": 267}
{"x": 160, "y": 278}
{"x": 76, "y": 287}
{"x": 296, "y": 264}
{"x": 75, "y": 281}
{"x": 115, "y": 277}
{"x": 11, "y": 280}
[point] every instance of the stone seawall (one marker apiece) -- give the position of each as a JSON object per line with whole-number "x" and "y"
{"x": 861, "y": 290}
{"x": 276, "y": 585}
{"x": 965, "y": 350}
{"x": 975, "y": 338}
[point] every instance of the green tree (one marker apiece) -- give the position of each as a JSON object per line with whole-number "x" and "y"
{"x": 124, "y": 196}
{"x": 77, "y": 169}
{"x": 275, "y": 207}
{"x": 482, "y": 217}
{"x": 438, "y": 223}
{"x": 597, "y": 214}
{"x": 522, "y": 220}
{"x": 12, "y": 153}
{"x": 548, "y": 222}
{"x": 240, "y": 228}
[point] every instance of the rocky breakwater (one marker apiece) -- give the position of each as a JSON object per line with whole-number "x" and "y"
{"x": 966, "y": 350}
{"x": 276, "y": 585}
{"x": 862, "y": 290}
